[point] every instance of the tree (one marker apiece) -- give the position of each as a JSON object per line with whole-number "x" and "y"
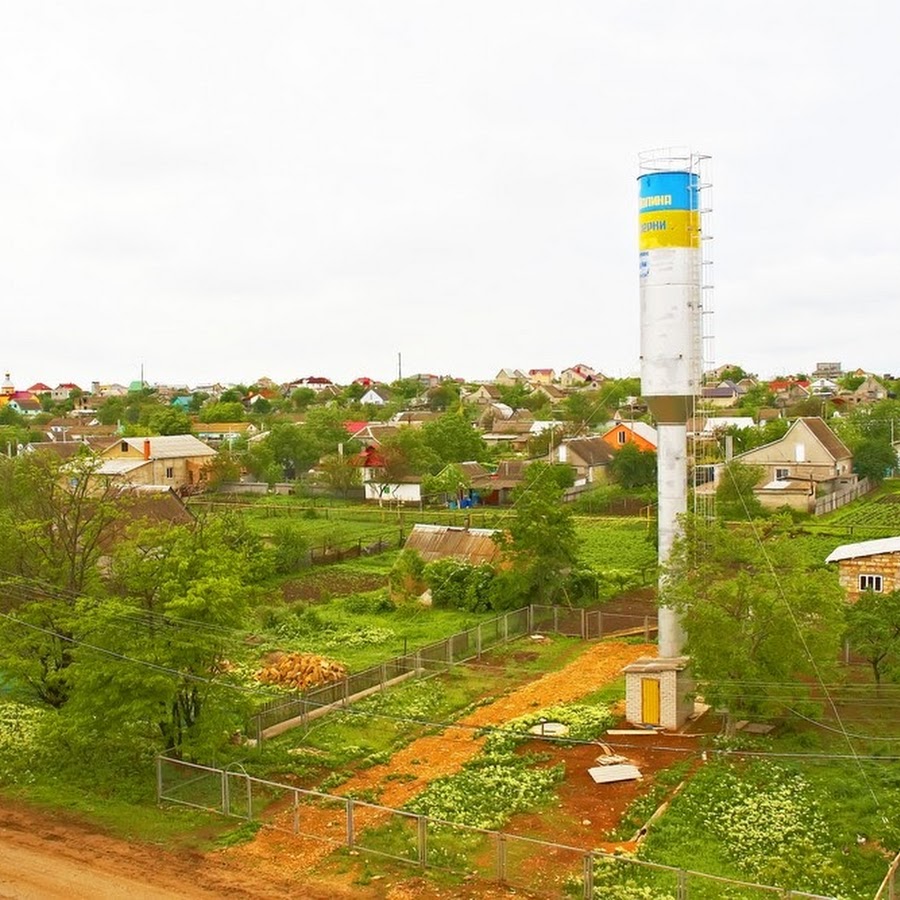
{"x": 540, "y": 542}
{"x": 632, "y": 467}
{"x": 302, "y": 398}
{"x": 340, "y": 473}
{"x": 443, "y": 396}
{"x": 293, "y": 448}
{"x": 873, "y": 630}
{"x": 56, "y": 520}
{"x": 223, "y": 467}
{"x": 874, "y": 458}
{"x": 451, "y": 481}
{"x": 453, "y": 439}
{"x": 169, "y": 420}
{"x": 759, "y": 617}
{"x": 176, "y": 594}
{"x": 583, "y": 409}
{"x": 222, "y": 411}
{"x": 735, "y": 500}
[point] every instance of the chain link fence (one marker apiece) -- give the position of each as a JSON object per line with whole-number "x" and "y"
{"x": 278, "y": 716}
{"x": 549, "y": 869}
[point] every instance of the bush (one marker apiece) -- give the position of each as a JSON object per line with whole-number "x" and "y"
{"x": 291, "y": 550}
{"x": 405, "y": 578}
{"x": 455, "y": 585}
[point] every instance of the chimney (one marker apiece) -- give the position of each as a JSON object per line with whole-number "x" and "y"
{"x": 146, "y": 448}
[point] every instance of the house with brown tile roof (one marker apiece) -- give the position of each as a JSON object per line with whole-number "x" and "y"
{"x": 810, "y": 460}
{"x": 589, "y": 456}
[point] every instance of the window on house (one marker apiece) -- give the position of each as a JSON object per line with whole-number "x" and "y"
{"x": 620, "y": 437}
{"x": 871, "y": 583}
{"x": 782, "y": 474}
{"x": 124, "y": 446}
{"x": 170, "y": 471}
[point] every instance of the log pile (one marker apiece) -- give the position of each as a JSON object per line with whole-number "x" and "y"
{"x": 301, "y": 670}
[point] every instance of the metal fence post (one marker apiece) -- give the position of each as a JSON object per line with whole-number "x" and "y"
{"x": 350, "y": 823}
{"x": 599, "y": 624}
{"x": 583, "y": 624}
{"x": 556, "y": 620}
{"x": 501, "y": 856}
{"x": 296, "y": 812}
{"x": 249, "y": 799}
{"x": 505, "y": 628}
{"x": 681, "y": 890}
{"x": 226, "y": 804}
{"x": 530, "y": 619}
{"x": 478, "y": 641}
{"x": 588, "y": 863}
{"x": 159, "y": 779}
{"x": 422, "y": 839}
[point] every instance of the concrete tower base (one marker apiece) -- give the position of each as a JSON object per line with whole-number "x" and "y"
{"x": 657, "y": 692}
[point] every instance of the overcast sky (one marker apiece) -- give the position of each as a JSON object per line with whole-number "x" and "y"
{"x": 224, "y": 190}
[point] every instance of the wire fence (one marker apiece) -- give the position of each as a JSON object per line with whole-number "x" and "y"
{"x": 278, "y": 716}
{"x": 890, "y": 887}
{"x": 327, "y": 822}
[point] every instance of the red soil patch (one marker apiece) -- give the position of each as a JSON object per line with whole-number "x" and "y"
{"x": 433, "y": 756}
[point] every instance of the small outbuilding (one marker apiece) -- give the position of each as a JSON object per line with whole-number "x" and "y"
{"x": 868, "y": 566}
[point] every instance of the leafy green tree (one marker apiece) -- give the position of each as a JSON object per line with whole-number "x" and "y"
{"x": 540, "y": 542}
{"x": 339, "y": 472}
{"x": 452, "y": 439}
{"x": 406, "y": 452}
{"x": 224, "y": 467}
{"x": 326, "y": 427}
{"x": 756, "y": 398}
{"x": 222, "y": 411}
{"x": 169, "y": 420}
{"x": 451, "y": 481}
{"x": 8, "y": 416}
{"x": 735, "y": 500}
{"x": 632, "y": 467}
{"x": 874, "y": 458}
{"x": 178, "y": 594}
{"x": 302, "y": 398}
{"x": 873, "y": 630}
{"x": 56, "y": 522}
{"x": 761, "y": 621}
{"x": 294, "y": 448}
{"x": 584, "y": 409}
{"x": 443, "y": 396}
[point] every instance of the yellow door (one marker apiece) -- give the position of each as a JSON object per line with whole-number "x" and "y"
{"x": 650, "y": 701}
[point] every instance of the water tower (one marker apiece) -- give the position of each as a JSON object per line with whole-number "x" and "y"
{"x": 674, "y": 308}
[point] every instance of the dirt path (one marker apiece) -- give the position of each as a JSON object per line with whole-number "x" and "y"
{"x": 53, "y": 856}
{"x": 425, "y": 759}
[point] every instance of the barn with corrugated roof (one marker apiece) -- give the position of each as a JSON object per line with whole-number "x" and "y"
{"x": 469, "y": 545}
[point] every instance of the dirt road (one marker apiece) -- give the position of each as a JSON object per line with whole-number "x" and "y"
{"x": 52, "y": 856}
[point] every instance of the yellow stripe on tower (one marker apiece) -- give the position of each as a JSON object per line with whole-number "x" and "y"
{"x": 669, "y": 228}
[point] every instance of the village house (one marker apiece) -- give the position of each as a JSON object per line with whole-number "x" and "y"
{"x": 509, "y": 377}
{"x": 484, "y": 393}
{"x": 808, "y": 462}
{"x": 589, "y": 456}
{"x": 224, "y": 432}
{"x": 868, "y": 566}
{"x": 642, "y": 435}
{"x": 178, "y": 461}
{"x": 379, "y": 485}
{"x": 541, "y": 376}
{"x": 578, "y": 375}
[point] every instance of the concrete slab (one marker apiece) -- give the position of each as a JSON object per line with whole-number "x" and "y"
{"x": 610, "y": 774}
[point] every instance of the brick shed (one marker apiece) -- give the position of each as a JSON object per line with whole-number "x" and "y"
{"x": 868, "y": 566}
